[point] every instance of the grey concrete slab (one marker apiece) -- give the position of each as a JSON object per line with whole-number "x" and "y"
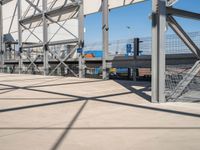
{"x": 50, "y": 113}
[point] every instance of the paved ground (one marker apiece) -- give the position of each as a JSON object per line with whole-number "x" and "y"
{"x": 51, "y": 113}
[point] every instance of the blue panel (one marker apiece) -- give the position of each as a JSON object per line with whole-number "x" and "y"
{"x": 128, "y": 48}
{"x": 95, "y": 53}
{"x": 79, "y": 50}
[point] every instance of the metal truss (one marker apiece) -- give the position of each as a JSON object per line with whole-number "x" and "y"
{"x": 43, "y": 17}
{"x": 51, "y": 15}
{"x": 163, "y": 12}
{"x": 176, "y": 27}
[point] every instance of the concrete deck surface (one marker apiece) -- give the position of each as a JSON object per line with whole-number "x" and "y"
{"x": 50, "y": 113}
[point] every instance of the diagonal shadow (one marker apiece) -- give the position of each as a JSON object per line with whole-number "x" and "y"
{"x": 33, "y": 99}
{"x": 150, "y": 108}
{"x": 38, "y": 105}
{"x": 18, "y": 80}
{"x": 18, "y": 87}
{"x": 13, "y": 88}
{"x": 63, "y": 94}
{"x": 97, "y": 98}
{"x": 77, "y": 98}
{"x": 51, "y": 85}
{"x": 7, "y": 91}
{"x": 65, "y": 133}
{"x": 102, "y": 128}
{"x": 30, "y": 79}
{"x": 128, "y": 85}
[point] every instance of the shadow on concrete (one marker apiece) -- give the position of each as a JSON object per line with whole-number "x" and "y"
{"x": 129, "y": 85}
{"x": 12, "y": 88}
{"x": 67, "y": 83}
{"x": 38, "y": 105}
{"x": 33, "y": 99}
{"x": 100, "y": 128}
{"x": 29, "y": 79}
{"x": 76, "y": 98}
{"x": 65, "y": 133}
{"x": 96, "y": 98}
{"x": 150, "y": 108}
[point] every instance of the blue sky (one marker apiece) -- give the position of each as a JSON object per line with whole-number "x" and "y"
{"x": 135, "y": 16}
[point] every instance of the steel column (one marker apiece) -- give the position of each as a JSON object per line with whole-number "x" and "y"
{"x": 1, "y": 39}
{"x": 158, "y": 50}
{"x": 45, "y": 37}
{"x": 81, "y": 39}
{"x": 19, "y": 5}
{"x": 105, "y": 28}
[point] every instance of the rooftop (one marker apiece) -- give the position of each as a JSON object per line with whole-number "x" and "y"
{"x": 51, "y": 113}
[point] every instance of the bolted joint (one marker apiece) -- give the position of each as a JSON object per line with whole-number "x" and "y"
{"x": 20, "y": 50}
{"x": 46, "y": 47}
{"x": 154, "y": 17}
{"x": 1, "y": 52}
{"x": 105, "y": 27}
{"x": 81, "y": 43}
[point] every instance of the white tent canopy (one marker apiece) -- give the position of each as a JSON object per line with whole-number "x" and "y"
{"x": 10, "y": 22}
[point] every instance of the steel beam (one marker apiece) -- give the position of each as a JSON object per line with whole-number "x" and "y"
{"x": 183, "y": 13}
{"x": 158, "y": 50}
{"x": 19, "y": 5}
{"x": 51, "y": 13}
{"x": 1, "y": 39}
{"x": 81, "y": 39}
{"x": 5, "y": 1}
{"x": 105, "y": 29}
{"x": 183, "y": 36}
{"x": 45, "y": 37}
{"x": 171, "y": 2}
{"x": 61, "y": 42}
{"x": 34, "y": 6}
{"x": 33, "y": 45}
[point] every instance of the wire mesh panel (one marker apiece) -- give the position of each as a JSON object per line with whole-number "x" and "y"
{"x": 182, "y": 76}
{"x": 119, "y": 47}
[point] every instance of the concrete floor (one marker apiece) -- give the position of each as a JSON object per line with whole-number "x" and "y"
{"x": 51, "y": 113}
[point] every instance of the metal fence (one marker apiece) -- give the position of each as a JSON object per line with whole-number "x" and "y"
{"x": 182, "y": 81}
{"x": 174, "y": 45}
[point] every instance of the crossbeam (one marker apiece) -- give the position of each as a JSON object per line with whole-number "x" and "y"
{"x": 182, "y": 13}
{"x": 183, "y": 36}
{"x": 51, "y": 13}
{"x": 5, "y": 1}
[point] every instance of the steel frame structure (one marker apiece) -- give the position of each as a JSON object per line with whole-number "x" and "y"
{"x": 43, "y": 17}
{"x": 162, "y": 13}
